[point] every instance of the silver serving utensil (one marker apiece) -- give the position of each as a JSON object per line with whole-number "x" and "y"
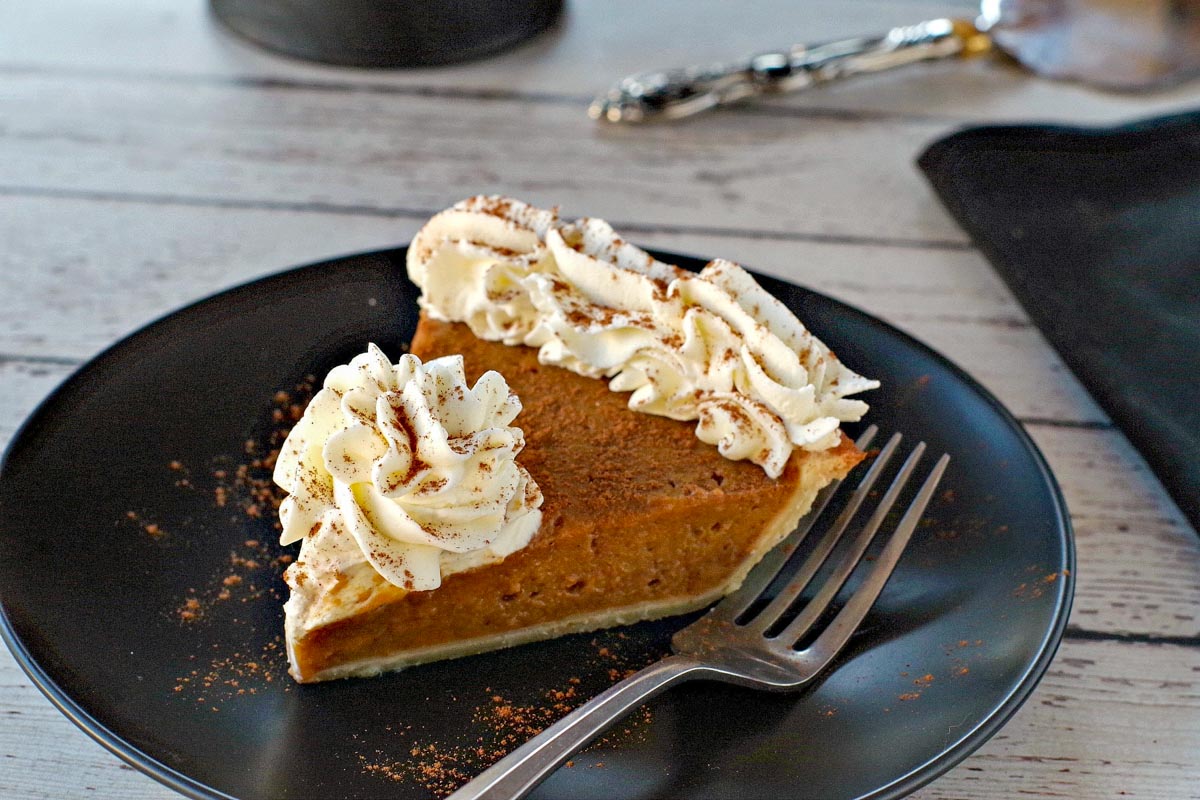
{"x": 747, "y": 638}
{"x": 1114, "y": 44}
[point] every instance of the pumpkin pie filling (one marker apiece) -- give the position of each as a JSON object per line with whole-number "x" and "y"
{"x": 606, "y": 516}
{"x": 640, "y": 520}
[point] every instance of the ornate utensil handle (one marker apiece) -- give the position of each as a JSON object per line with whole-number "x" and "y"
{"x": 676, "y": 93}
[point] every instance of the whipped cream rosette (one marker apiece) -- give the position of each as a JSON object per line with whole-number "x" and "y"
{"x": 406, "y": 471}
{"x": 712, "y": 346}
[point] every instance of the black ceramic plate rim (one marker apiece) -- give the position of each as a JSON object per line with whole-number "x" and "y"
{"x": 902, "y": 786}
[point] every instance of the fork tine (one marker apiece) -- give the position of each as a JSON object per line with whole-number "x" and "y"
{"x": 765, "y": 571}
{"x": 815, "y": 607}
{"x": 788, "y": 594}
{"x": 834, "y": 638}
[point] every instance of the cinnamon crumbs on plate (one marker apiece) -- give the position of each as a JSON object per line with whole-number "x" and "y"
{"x": 499, "y": 723}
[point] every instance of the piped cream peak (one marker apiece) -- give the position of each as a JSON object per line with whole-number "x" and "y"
{"x": 406, "y": 470}
{"x": 712, "y": 346}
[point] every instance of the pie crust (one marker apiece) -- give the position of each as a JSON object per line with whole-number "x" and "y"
{"x": 640, "y": 520}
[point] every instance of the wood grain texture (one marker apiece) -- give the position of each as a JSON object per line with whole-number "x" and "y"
{"x": 411, "y": 155}
{"x": 23, "y": 384}
{"x": 1108, "y": 721}
{"x": 129, "y": 262}
{"x": 597, "y": 42}
{"x": 43, "y": 756}
{"x": 148, "y": 159}
{"x": 1138, "y": 558}
{"x": 78, "y": 275}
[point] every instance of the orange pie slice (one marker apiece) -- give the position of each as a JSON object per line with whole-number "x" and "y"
{"x": 640, "y": 520}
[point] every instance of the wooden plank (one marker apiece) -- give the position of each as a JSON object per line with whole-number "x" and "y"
{"x": 1138, "y": 558}
{"x": 159, "y": 257}
{"x": 78, "y": 275}
{"x": 596, "y": 43}
{"x": 43, "y": 756}
{"x": 1109, "y": 719}
{"x": 408, "y": 155}
{"x": 23, "y": 384}
{"x": 1065, "y": 742}
{"x": 162, "y": 36}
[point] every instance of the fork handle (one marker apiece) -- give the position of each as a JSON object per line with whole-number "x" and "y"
{"x": 524, "y": 768}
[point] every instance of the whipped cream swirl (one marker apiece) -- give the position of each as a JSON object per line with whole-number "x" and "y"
{"x": 713, "y": 347}
{"x": 407, "y": 469}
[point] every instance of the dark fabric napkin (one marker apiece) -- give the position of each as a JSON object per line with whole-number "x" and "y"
{"x": 1097, "y": 233}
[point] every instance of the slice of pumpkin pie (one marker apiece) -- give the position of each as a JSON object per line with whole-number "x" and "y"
{"x": 581, "y": 437}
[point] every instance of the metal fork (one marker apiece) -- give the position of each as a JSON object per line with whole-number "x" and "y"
{"x": 743, "y": 640}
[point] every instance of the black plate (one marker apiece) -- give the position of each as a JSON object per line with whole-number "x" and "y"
{"x": 94, "y": 595}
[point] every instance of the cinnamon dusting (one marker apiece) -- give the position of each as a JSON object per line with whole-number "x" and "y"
{"x": 500, "y": 723}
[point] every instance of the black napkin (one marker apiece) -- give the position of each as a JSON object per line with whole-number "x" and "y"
{"x": 1097, "y": 233}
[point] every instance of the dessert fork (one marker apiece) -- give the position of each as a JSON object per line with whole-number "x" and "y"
{"x": 747, "y": 639}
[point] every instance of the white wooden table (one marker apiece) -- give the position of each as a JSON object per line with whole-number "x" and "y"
{"x": 148, "y": 159}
